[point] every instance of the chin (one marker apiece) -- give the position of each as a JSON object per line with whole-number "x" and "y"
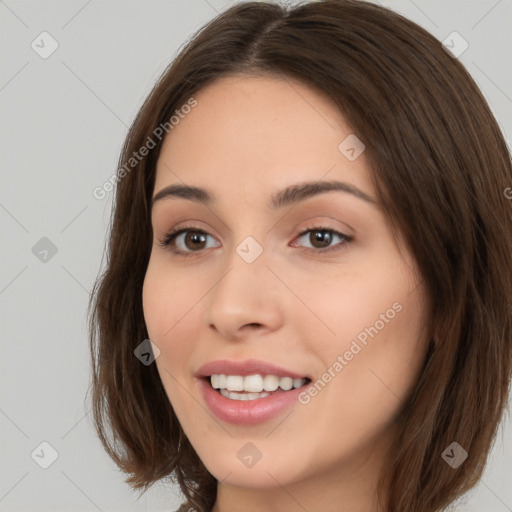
{"x": 260, "y": 476}
{"x": 256, "y": 464}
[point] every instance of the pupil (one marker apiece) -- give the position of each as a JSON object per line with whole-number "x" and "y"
{"x": 324, "y": 237}
{"x": 196, "y": 237}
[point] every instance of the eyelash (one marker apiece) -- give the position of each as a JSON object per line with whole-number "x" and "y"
{"x": 169, "y": 238}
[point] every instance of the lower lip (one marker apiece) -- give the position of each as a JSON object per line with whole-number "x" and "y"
{"x": 247, "y": 412}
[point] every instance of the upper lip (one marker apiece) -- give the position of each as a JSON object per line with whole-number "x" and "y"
{"x": 245, "y": 367}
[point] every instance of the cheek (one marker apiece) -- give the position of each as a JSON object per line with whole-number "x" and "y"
{"x": 171, "y": 311}
{"x": 170, "y": 308}
{"x": 373, "y": 360}
{"x": 341, "y": 302}
{"x": 169, "y": 301}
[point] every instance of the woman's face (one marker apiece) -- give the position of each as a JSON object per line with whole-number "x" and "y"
{"x": 315, "y": 285}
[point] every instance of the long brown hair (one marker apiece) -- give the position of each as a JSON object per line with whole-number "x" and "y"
{"x": 440, "y": 167}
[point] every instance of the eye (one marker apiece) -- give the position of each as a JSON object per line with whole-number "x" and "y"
{"x": 321, "y": 239}
{"x": 185, "y": 240}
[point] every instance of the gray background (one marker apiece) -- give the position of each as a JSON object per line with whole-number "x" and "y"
{"x": 63, "y": 122}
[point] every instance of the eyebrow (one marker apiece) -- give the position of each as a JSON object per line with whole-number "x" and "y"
{"x": 290, "y": 195}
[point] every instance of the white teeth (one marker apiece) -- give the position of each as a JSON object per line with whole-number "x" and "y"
{"x": 234, "y": 383}
{"x": 218, "y": 381}
{"x": 297, "y": 383}
{"x": 270, "y": 382}
{"x": 233, "y": 395}
{"x": 254, "y": 384}
{"x": 286, "y": 383}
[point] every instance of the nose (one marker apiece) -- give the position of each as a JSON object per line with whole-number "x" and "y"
{"x": 247, "y": 297}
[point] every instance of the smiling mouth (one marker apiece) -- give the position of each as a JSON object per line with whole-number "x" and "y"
{"x": 253, "y": 387}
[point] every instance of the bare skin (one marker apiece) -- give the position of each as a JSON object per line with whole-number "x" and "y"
{"x": 294, "y": 305}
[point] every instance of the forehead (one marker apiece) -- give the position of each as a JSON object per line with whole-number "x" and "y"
{"x": 259, "y": 130}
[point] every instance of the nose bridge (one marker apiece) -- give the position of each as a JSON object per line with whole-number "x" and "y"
{"x": 243, "y": 294}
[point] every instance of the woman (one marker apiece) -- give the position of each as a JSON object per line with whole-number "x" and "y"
{"x": 312, "y": 227}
